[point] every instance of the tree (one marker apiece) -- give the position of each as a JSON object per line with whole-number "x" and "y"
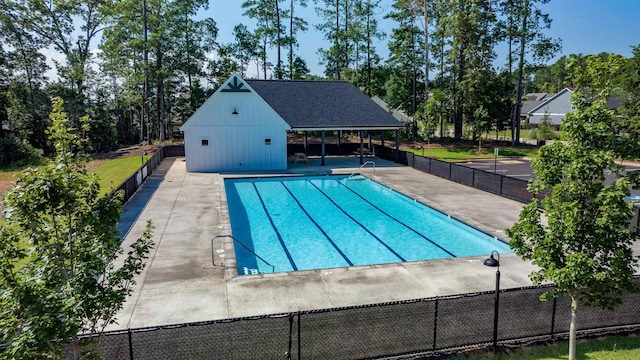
{"x": 296, "y": 24}
{"x": 427, "y": 115}
{"x": 332, "y": 58}
{"x": 300, "y": 69}
{"x": 630, "y": 88}
{"x": 466, "y": 37}
{"x": 585, "y": 246}
{"x": 176, "y": 51}
{"x": 366, "y": 31}
{"x": 269, "y": 28}
{"x": 544, "y": 130}
{"x": 525, "y": 26}
{"x": 407, "y": 54}
{"x": 70, "y": 26}
{"x": 245, "y": 47}
{"x": 64, "y": 236}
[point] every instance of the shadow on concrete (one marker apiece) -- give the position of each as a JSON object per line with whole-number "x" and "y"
{"x": 136, "y": 204}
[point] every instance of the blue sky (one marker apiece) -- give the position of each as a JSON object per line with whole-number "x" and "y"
{"x": 585, "y": 26}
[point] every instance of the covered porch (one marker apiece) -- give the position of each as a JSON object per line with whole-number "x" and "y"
{"x": 330, "y": 141}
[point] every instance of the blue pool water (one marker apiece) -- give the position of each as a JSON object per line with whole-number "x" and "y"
{"x": 302, "y": 223}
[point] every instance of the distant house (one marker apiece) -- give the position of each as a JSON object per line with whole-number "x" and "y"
{"x": 555, "y": 107}
{"x": 243, "y": 125}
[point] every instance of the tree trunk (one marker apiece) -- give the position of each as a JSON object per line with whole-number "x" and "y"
{"x": 145, "y": 100}
{"x": 279, "y": 62}
{"x": 426, "y": 51}
{"x": 572, "y": 328}
{"x": 368, "y": 87}
{"x": 291, "y": 42}
{"x": 346, "y": 34}
{"x": 516, "y": 116}
{"x": 337, "y": 40}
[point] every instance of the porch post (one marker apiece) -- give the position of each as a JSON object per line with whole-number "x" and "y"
{"x": 361, "y": 147}
{"x": 397, "y": 156}
{"x": 322, "y": 158}
{"x": 306, "y": 142}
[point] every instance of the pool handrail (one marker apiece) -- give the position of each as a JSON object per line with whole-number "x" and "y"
{"x": 361, "y": 166}
{"x": 273, "y": 269}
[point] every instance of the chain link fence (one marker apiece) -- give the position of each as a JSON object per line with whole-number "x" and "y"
{"x": 511, "y": 188}
{"x": 133, "y": 182}
{"x": 422, "y": 326}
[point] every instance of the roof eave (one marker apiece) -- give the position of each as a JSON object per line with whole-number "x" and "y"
{"x": 293, "y": 128}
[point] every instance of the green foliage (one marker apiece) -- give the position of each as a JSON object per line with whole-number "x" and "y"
{"x": 544, "y": 130}
{"x": 427, "y": 116}
{"x": 630, "y": 90}
{"x": 14, "y": 151}
{"x": 584, "y": 247}
{"x": 69, "y": 283}
{"x": 465, "y": 153}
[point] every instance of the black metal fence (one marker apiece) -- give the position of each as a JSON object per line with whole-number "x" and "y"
{"x": 512, "y": 188}
{"x": 421, "y": 326}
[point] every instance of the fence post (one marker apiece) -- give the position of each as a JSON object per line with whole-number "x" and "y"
{"x": 130, "y": 344}
{"x": 435, "y": 324}
{"x": 553, "y": 318}
{"x": 290, "y": 336}
{"x": 501, "y": 182}
{"x": 299, "y": 342}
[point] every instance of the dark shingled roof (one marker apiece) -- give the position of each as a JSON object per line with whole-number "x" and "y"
{"x": 530, "y": 105}
{"x": 323, "y": 105}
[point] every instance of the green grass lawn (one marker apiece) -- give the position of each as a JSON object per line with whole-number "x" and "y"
{"x": 610, "y": 348}
{"x": 112, "y": 173}
{"x": 459, "y": 154}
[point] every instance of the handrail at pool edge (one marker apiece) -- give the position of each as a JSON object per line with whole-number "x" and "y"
{"x": 361, "y": 166}
{"x": 273, "y": 269}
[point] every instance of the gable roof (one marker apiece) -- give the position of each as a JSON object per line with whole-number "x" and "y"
{"x": 396, "y": 113}
{"x": 530, "y": 105}
{"x": 536, "y": 96}
{"x": 548, "y": 99}
{"x": 317, "y": 105}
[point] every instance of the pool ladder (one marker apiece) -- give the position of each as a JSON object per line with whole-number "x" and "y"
{"x": 360, "y": 168}
{"x": 273, "y": 269}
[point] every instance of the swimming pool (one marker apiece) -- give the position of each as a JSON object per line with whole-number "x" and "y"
{"x": 303, "y": 223}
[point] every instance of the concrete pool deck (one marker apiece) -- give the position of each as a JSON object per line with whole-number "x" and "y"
{"x": 180, "y": 283}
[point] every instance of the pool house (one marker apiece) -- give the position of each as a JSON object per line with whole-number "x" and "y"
{"x": 243, "y": 126}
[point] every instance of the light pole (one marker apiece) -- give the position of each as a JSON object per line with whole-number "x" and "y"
{"x": 493, "y": 262}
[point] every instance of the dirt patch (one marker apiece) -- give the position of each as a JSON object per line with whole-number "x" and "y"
{"x": 5, "y": 185}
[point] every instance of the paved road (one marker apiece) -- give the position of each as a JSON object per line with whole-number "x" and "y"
{"x": 514, "y": 167}
{"x": 521, "y": 168}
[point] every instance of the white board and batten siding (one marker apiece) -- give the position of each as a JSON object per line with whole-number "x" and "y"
{"x": 216, "y": 140}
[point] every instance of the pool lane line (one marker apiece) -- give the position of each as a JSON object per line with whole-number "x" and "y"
{"x": 357, "y": 222}
{"x": 344, "y": 256}
{"x": 273, "y": 225}
{"x": 398, "y": 221}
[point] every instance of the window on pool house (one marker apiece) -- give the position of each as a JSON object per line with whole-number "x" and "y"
{"x": 267, "y": 141}
{"x": 205, "y": 142}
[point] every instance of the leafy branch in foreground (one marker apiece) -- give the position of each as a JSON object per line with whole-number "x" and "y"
{"x": 584, "y": 247}
{"x": 69, "y": 283}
